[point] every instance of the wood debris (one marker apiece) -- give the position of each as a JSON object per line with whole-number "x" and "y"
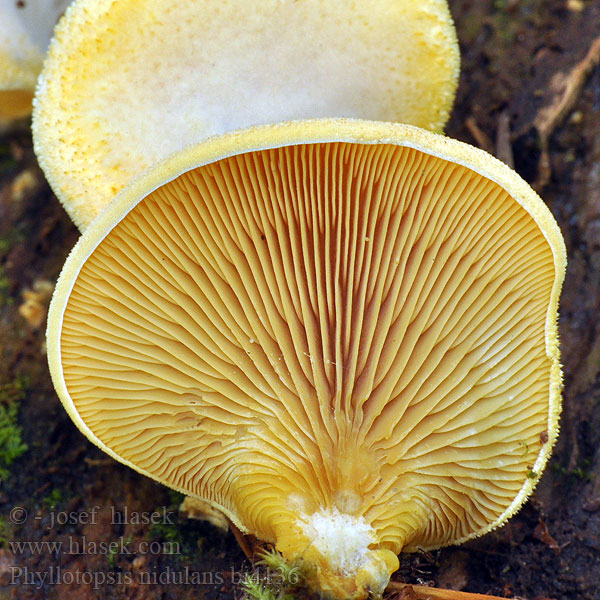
{"x": 35, "y": 302}
{"x": 565, "y": 89}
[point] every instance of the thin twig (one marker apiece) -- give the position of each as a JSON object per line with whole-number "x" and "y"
{"x": 422, "y": 592}
{"x": 483, "y": 141}
{"x": 503, "y": 146}
{"x": 566, "y": 88}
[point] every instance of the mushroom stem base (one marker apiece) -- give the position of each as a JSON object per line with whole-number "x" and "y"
{"x": 341, "y": 554}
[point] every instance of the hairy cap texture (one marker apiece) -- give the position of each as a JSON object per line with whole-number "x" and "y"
{"x": 341, "y": 344}
{"x": 129, "y": 82}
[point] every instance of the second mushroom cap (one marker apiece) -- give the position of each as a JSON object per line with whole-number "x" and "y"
{"x": 128, "y": 82}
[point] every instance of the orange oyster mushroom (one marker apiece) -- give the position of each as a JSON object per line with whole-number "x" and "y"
{"x": 128, "y": 82}
{"x": 342, "y": 334}
{"x": 25, "y": 31}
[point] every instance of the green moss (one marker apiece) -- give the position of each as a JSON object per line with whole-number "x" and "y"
{"x": 6, "y": 532}
{"x": 11, "y": 444}
{"x": 273, "y": 578}
{"x": 53, "y": 499}
{"x": 287, "y": 573}
{"x": 112, "y": 556}
{"x": 181, "y": 539}
{"x": 166, "y": 532}
{"x": 4, "y": 287}
{"x": 255, "y": 589}
{"x": 113, "y": 551}
{"x": 581, "y": 472}
{"x": 531, "y": 474}
{"x": 12, "y": 238}
{"x": 7, "y": 161}
{"x": 175, "y": 499}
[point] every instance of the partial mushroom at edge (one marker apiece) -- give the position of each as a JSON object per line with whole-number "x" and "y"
{"x": 25, "y": 30}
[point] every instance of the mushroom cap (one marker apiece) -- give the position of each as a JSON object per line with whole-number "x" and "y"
{"x": 129, "y": 82}
{"x": 25, "y": 30}
{"x": 341, "y": 333}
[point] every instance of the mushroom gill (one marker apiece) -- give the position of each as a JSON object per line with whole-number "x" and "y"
{"x": 340, "y": 333}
